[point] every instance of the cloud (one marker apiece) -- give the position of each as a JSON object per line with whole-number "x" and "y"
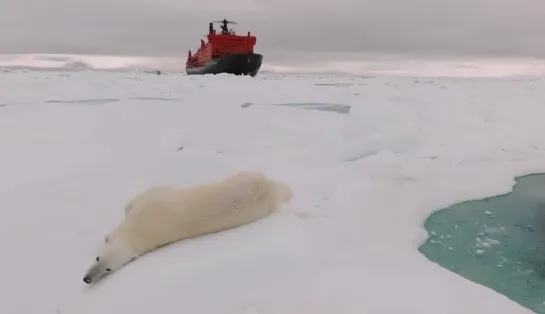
{"x": 284, "y": 28}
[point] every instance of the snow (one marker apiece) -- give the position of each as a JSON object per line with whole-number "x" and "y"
{"x": 76, "y": 146}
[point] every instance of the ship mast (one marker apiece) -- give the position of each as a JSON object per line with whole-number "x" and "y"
{"x": 224, "y": 29}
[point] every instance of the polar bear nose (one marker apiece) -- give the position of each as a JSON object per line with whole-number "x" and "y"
{"x": 87, "y": 279}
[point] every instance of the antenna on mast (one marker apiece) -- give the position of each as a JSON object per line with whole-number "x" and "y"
{"x": 224, "y": 22}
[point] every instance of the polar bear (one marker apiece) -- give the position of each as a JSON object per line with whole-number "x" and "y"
{"x": 163, "y": 215}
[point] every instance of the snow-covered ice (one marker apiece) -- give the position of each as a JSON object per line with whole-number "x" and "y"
{"x": 76, "y": 146}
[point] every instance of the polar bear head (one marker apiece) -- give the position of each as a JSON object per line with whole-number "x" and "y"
{"x": 114, "y": 254}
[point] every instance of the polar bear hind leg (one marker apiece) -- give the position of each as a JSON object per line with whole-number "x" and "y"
{"x": 285, "y": 193}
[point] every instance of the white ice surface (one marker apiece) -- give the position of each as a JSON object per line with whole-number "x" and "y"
{"x": 363, "y": 184}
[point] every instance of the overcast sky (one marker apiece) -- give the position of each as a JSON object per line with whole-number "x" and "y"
{"x": 284, "y": 27}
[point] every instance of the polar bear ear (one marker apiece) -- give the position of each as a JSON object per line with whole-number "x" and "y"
{"x": 106, "y": 239}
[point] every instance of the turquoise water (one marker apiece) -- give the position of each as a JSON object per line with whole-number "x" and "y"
{"x": 342, "y": 109}
{"x": 498, "y": 242}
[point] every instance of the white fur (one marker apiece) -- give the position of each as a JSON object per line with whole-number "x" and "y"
{"x": 163, "y": 215}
